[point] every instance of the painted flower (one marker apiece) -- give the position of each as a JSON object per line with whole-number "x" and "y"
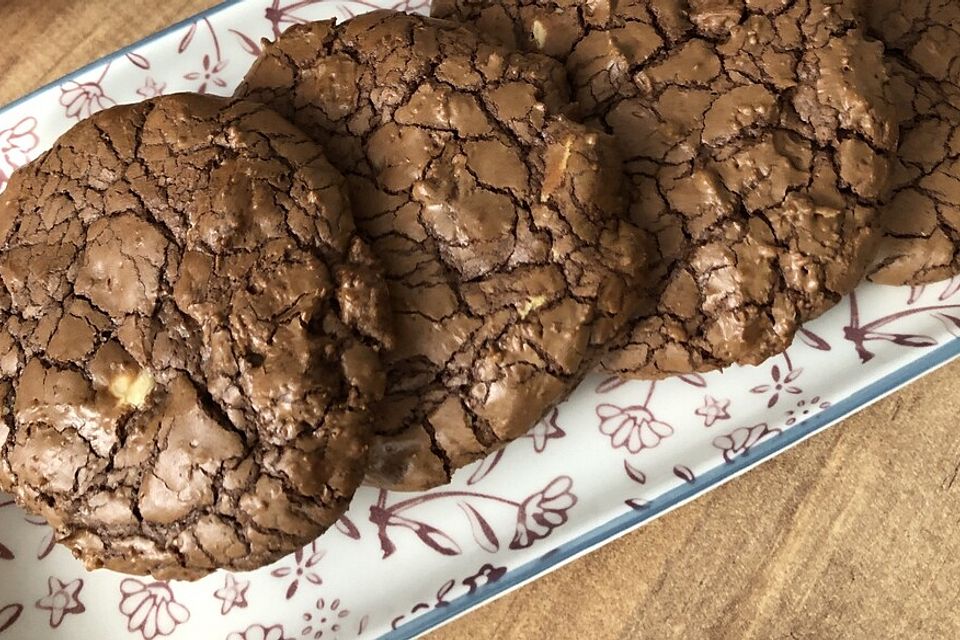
{"x": 328, "y": 619}
{"x": 259, "y": 632}
{"x": 151, "y": 608}
{"x": 740, "y": 441}
{"x": 486, "y": 575}
{"x": 210, "y": 74}
{"x": 16, "y": 143}
{"x": 9, "y": 614}
{"x": 804, "y": 409}
{"x": 779, "y": 386}
{"x": 713, "y": 410}
{"x": 302, "y": 569}
{"x": 232, "y": 594}
{"x": 543, "y": 512}
{"x": 546, "y": 430}
{"x": 82, "y": 100}
{"x": 63, "y": 598}
{"x": 634, "y": 427}
{"x": 151, "y": 88}
{"x": 47, "y": 540}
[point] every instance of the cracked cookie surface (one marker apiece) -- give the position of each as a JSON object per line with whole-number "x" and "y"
{"x": 921, "y": 222}
{"x": 500, "y": 226}
{"x": 190, "y": 338}
{"x": 757, "y": 135}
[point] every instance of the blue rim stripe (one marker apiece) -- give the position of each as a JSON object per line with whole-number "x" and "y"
{"x": 633, "y": 519}
{"x": 224, "y": 4}
{"x": 675, "y": 497}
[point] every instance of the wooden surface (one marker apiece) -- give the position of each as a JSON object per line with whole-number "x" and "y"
{"x": 854, "y": 534}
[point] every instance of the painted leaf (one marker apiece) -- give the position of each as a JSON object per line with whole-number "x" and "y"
{"x": 445, "y": 590}
{"x": 952, "y": 323}
{"x": 953, "y": 286}
{"x": 634, "y": 474}
{"x": 637, "y": 504}
{"x": 9, "y": 615}
{"x": 345, "y": 526}
{"x": 429, "y": 535}
{"x": 483, "y": 533}
{"x": 915, "y": 293}
{"x": 47, "y": 543}
{"x": 903, "y": 339}
{"x": 611, "y": 383}
{"x": 247, "y": 43}
{"x": 438, "y": 540}
{"x": 138, "y": 60}
{"x": 684, "y": 473}
{"x": 5, "y": 553}
{"x": 484, "y": 467}
{"x": 694, "y": 379}
{"x": 187, "y": 38}
{"x": 316, "y": 558}
{"x": 812, "y": 340}
{"x": 292, "y": 589}
{"x": 793, "y": 375}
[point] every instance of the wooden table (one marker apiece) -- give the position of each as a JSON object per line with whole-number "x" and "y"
{"x": 854, "y": 534}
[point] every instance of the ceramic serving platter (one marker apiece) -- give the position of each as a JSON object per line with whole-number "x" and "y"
{"x": 611, "y": 458}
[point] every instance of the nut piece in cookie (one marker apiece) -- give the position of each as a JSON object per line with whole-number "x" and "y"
{"x": 757, "y": 138}
{"x": 499, "y": 225}
{"x": 190, "y": 339}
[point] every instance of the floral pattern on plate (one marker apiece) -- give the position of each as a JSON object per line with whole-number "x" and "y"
{"x": 613, "y": 455}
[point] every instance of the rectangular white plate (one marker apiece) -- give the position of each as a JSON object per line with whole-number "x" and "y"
{"x": 611, "y": 458}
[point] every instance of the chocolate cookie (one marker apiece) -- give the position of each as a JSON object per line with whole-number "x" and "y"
{"x": 508, "y": 265}
{"x": 922, "y": 219}
{"x": 756, "y": 136}
{"x": 190, "y": 337}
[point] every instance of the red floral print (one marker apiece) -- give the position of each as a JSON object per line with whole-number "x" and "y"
{"x": 9, "y": 614}
{"x": 232, "y": 594}
{"x": 63, "y": 598}
{"x": 740, "y": 441}
{"x": 259, "y": 632}
{"x": 487, "y": 574}
{"x": 83, "y": 99}
{"x": 302, "y": 568}
{"x": 326, "y": 620}
{"x": 150, "y": 609}
{"x": 634, "y": 428}
{"x": 778, "y": 385}
{"x": 543, "y": 512}
{"x": 151, "y": 88}
{"x": 16, "y": 143}
{"x": 713, "y": 410}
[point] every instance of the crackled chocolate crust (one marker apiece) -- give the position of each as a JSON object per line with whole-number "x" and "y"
{"x": 922, "y": 219}
{"x": 757, "y": 137}
{"x": 190, "y": 338}
{"x": 500, "y": 227}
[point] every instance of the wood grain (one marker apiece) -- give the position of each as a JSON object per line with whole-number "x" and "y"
{"x": 853, "y": 534}
{"x": 46, "y": 39}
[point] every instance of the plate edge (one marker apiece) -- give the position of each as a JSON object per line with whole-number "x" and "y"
{"x": 73, "y": 75}
{"x": 680, "y": 495}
